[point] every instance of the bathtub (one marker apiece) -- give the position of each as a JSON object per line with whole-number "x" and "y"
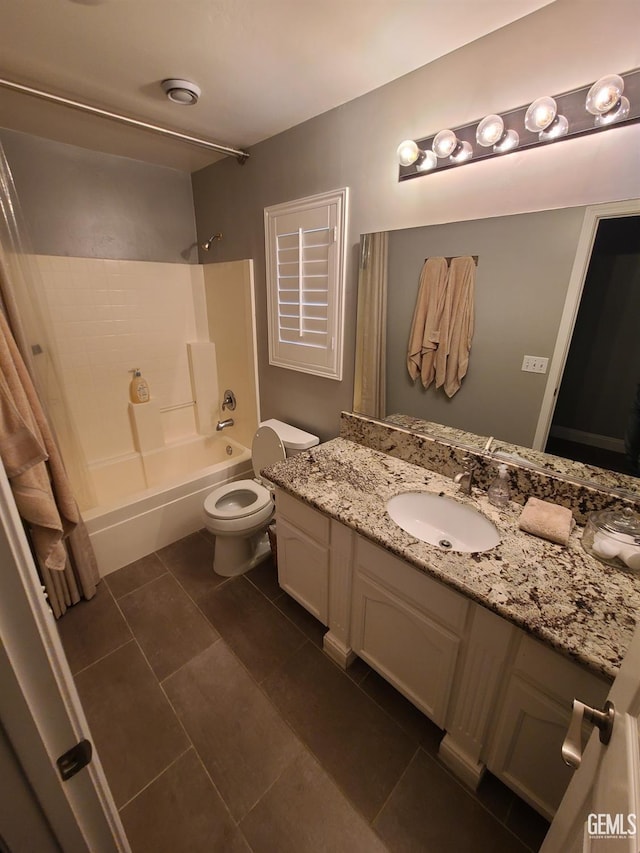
{"x": 148, "y": 500}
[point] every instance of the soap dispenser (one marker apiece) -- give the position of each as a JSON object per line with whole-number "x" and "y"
{"x": 139, "y": 387}
{"x": 499, "y": 492}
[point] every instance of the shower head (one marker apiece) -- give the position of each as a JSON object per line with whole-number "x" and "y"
{"x": 207, "y": 244}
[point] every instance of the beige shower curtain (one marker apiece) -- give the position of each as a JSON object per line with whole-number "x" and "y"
{"x": 369, "y": 391}
{"x": 35, "y": 420}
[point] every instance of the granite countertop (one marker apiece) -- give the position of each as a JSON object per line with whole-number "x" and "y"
{"x": 562, "y": 596}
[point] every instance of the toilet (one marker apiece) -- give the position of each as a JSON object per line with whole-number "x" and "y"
{"x": 238, "y": 513}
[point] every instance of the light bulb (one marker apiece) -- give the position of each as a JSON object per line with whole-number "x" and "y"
{"x": 462, "y": 152}
{"x": 428, "y": 162}
{"x": 489, "y": 131}
{"x": 508, "y": 142}
{"x": 604, "y": 94}
{"x": 540, "y": 114}
{"x": 558, "y": 127}
{"x": 618, "y": 113}
{"x": 444, "y": 143}
{"x": 408, "y": 152}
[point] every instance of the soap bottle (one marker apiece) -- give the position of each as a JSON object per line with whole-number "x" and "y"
{"x": 499, "y": 492}
{"x": 139, "y": 387}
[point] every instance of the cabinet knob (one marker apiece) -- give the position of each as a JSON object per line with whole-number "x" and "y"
{"x": 603, "y": 720}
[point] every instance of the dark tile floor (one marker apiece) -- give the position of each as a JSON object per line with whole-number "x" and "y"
{"x": 222, "y": 726}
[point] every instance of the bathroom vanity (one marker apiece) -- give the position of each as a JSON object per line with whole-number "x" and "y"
{"x": 491, "y": 646}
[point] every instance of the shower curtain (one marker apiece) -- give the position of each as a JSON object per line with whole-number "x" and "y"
{"x": 41, "y": 415}
{"x": 369, "y": 393}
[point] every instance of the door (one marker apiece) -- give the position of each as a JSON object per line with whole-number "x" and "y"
{"x": 601, "y": 807}
{"x": 592, "y": 218}
{"x": 40, "y": 712}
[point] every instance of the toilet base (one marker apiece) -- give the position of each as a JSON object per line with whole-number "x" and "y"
{"x": 235, "y": 555}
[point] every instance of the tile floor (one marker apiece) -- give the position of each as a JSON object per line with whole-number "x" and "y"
{"x": 222, "y": 726}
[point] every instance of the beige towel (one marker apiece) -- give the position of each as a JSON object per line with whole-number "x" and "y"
{"x": 457, "y": 326}
{"x": 41, "y": 489}
{"x": 547, "y": 520}
{"x": 425, "y": 333}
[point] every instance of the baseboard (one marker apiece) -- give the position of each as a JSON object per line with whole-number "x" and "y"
{"x": 461, "y": 765}
{"x": 339, "y": 653}
{"x": 592, "y": 439}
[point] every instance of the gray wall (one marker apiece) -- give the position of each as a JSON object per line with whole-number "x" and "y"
{"x": 86, "y": 204}
{"x": 524, "y": 265}
{"x": 563, "y": 46}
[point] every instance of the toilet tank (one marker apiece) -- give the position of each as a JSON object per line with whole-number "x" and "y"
{"x": 293, "y": 439}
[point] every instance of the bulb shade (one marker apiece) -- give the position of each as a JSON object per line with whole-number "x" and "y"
{"x": 408, "y": 152}
{"x": 618, "y": 113}
{"x": 540, "y": 114}
{"x": 428, "y": 162}
{"x": 508, "y": 142}
{"x": 604, "y": 94}
{"x": 558, "y": 127}
{"x": 489, "y": 131}
{"x": 462, "y": 152}
{"x": 445, "y": 143}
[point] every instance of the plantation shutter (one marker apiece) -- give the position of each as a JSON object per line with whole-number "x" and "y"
{"x": 305, "y": 283}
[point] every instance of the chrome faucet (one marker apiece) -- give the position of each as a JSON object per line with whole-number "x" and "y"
{"x": 224, "y": 424}
{"x": 465, "y": 477}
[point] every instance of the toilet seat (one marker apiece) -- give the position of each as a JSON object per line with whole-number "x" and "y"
{"x": 236, "y": 500}
{"x": 242, "y": 499}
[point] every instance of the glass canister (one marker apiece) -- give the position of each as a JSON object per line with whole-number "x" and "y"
{"x": 613, "y": 537}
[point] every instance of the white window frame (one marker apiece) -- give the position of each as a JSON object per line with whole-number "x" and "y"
{"x": 293, "y": 348}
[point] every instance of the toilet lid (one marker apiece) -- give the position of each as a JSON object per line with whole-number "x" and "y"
{"x": 266, "y": 449}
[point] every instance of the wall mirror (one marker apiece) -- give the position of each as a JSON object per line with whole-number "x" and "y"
{"x": 559, "y": 284}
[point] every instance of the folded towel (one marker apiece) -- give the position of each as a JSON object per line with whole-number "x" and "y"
{"x": 547, "y": 520}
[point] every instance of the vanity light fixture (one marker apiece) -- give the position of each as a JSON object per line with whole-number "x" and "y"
{"x": 546, "y": 119}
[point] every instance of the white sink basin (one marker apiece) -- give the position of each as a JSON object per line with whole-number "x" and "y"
{"x": 443, "y": 521}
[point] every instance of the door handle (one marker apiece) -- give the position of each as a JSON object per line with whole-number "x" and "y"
{"x": 603, "y": 720}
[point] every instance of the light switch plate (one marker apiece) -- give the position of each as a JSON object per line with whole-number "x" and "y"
{"x": 535, "y": 364}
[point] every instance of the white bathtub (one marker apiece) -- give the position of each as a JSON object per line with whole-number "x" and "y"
{"x": 152, "y": 499}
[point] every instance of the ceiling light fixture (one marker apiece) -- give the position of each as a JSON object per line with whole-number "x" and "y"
{"x": 543, "y": 121}
{"x": 182, "y": 92}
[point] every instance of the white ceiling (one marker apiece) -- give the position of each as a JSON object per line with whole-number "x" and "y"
{"x": 263, "y": 65}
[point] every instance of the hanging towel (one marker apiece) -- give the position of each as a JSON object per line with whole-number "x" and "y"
{"x": 41, "y": 489}
{"x": 425, "y": 334}
{"x": 457, "y": 326}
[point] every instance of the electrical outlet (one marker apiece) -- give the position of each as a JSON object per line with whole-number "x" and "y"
{"x": 535, "y": 364}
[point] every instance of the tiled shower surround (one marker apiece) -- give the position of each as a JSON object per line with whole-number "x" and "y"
{"x": 111, "y": 316}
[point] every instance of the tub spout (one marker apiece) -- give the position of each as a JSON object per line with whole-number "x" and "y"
{"x": 224, "y": 424}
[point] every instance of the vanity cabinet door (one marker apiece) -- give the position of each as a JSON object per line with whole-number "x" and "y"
{"x": 303, "y": 569}
{"x": 533, "y": 720}
{"x": 405, "y": 646}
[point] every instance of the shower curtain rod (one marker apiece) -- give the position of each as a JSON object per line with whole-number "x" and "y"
{"x": 87, "y": 108}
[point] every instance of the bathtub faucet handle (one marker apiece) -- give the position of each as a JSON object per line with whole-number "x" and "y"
{"x": 229, "y": 401}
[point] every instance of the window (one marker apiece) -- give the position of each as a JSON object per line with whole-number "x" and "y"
{"x": 305, "y": 283}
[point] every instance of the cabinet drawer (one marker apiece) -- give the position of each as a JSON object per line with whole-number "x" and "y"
{"x": 415, "y": 587}
{"x": 563, "y": 678}
{"x": 311, "y": 521}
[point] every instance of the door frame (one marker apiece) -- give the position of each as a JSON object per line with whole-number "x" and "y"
{"x": 592, "y": 216}
{"x": 40, "y": 710}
